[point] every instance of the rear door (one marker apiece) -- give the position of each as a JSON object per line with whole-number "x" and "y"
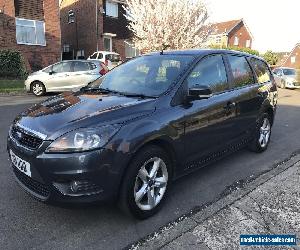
{"x": 83, "y": 72}
{"x": 209, "y": 123}
{"x": 248, "y": 94}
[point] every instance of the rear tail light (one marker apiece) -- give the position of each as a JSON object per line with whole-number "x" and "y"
{"x": 103, "y": 70}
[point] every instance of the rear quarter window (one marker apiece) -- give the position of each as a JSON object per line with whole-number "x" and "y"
{"x": 261, "y": 70}
{"x": 113, "y": 58}
{"x": 241, "y": 71}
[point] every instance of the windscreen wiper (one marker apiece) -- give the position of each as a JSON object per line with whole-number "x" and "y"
{"x": 137, "y": 95}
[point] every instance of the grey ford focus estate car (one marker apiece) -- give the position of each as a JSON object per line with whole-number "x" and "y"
{"x": 126, "y": 136}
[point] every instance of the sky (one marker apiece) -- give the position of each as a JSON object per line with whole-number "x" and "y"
{"x": 275, "y": 24}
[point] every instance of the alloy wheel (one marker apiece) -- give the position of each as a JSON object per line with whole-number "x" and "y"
{"x": 151, "y": 184}
{"x": 37, "y": 89}
{"x": 265, "y": 131}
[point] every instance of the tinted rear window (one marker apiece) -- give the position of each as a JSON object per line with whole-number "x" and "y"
{"x": 242, "y": 73}
{"x": 261, "y": 69}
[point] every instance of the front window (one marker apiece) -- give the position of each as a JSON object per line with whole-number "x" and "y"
{"x": 130, "y": 50}
{"x": 236, "y": 41}
{"x": 71, "y": 16}
{"x": 30, "y": 32}
{"x": 209, "y": 72}
{"x": 293, "y": 59}
{"x": 289, "y": 72}
{"x": 147, "y": 75}
{"x": 107, "y": 43}
{"x": 112, "y": 9}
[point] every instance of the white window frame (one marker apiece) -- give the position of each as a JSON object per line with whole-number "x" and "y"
{"x": 31, "y": 26}
{"x": 248, "y": 43}
{"x": 110, "y": 44}
{"x": 131, "y": 45}
{"x": 71, "y": 16}
{"x": 236, "y": 41}
{"x": 113, "y": 11}
{"x": 293, "y": 59}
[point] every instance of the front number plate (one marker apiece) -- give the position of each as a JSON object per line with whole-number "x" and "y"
{"x": 20, "y": 164}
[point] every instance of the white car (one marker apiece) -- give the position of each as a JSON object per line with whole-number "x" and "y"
{"x": 111, "y": 59}
{"x": 287, "y": 78}
{"x": 64, "y": 76}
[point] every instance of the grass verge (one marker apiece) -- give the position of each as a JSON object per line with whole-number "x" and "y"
{"x": 11, "y": 86}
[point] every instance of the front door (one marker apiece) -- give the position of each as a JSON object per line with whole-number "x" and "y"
{"x": 209, "y": 122}
{"x": 60, "y": 76}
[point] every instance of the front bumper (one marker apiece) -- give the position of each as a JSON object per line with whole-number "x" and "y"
{"x": 70, "y": 177}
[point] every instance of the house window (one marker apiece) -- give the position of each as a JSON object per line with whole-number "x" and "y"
{"x": 71, "y": 16}
{"x": 236, "y": 41}
{"x": 66, "y": 48}
{"x": 30, "y": 32}
{"x": 112, "y": 9}
{"x": 107, "y": 43}
{"x": 293, "y": 59}
{"x": 218, "y": 39}
{"x": 248, "y": 43}
{"x": 130, "y": 50}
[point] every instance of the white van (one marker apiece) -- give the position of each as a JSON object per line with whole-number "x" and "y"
{"x": 110, "y": 59}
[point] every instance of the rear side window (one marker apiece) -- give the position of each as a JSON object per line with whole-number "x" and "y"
{"x": 261, "y": 69}
{"x": 209, "y": 72}
{"x": 242, "y": 73}
{"x": 81, "y": 66}
{"x": 113, "y": 57}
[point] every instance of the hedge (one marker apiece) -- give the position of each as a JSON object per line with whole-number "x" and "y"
{"x": 12, "y": 65}
{"x": 246, "y": 50}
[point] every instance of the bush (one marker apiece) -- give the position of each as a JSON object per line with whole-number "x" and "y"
{"x": 12, "y": 65}
{"x": 246, "y": 50}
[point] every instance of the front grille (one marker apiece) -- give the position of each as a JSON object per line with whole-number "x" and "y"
{"x": 25, "y": 139}
{"x": 32, "y": 185}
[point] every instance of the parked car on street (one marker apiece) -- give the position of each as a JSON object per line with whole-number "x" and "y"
{"x": 110, "y": 59}
{"x": 126, "y": 136}
{"x": 64, "y": 76}
{"x": 287, "y": 78}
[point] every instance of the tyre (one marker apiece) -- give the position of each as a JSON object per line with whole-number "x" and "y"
{"x": 262, "y": 134}
{"x": 38, "y": 89}
{"x": 146, "y": 183}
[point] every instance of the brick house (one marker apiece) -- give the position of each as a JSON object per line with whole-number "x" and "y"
{"x": 95, "y": 25}
{"x": 31, "y": 27}
{"x": 293, "y": 59}
{"x": 231, "y": 33}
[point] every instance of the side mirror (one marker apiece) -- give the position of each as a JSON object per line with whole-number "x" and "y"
{"x": 198, "y": 92}
{"x": 51, "y": 72}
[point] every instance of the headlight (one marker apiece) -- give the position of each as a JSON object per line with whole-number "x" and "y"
{"x": 83, "y": 139}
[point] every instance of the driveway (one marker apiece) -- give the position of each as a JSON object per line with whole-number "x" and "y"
{"x": 26, "y": 223}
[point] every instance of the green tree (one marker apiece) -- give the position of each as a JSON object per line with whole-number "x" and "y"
{"x": 271, "y": 57}
{"x": 246, "y": 50}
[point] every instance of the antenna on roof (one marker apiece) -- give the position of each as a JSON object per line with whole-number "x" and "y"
{"x": 164, "y": 47}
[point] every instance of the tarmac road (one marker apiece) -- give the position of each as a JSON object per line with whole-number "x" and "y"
{"x": 26, "y": 223}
